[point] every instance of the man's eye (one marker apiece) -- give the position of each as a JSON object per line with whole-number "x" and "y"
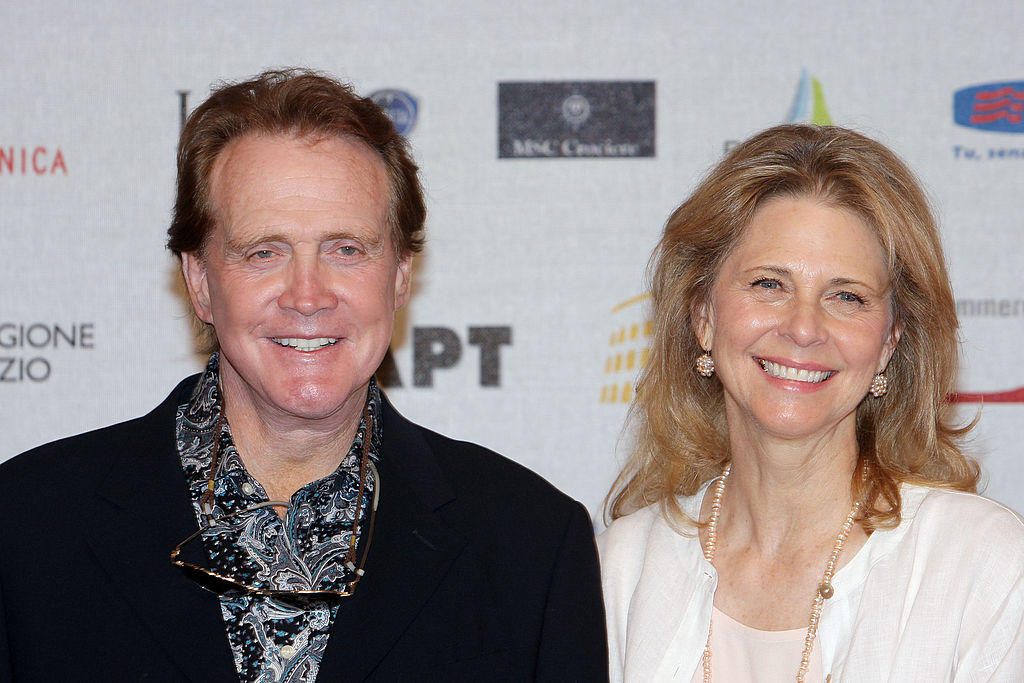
{"x": 348, "y": 251}
{"x": 766, "y": 283}
{"x": 262, "y": 254}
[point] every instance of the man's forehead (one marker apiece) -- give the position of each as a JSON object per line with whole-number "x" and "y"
{"x": 270, "y": 177}
{"x": 265, "y": 153}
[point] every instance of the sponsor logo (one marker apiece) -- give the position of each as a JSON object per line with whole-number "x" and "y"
{"x": 576, "y": 119}
{"x": 182, "y": 107}
{"x": 994, "y": 108}
{"x": 441, "y": 348}
{"x": 26, "y": 348}
{"x": 997, "y": 107}
{"x": 576, "y": 110}
{"x": 400, "y": 107}
{"x": 990, "y": 308}
{"x": 1010, "y": 396}
{"x": 37, "y": 160}
{"x": 808, "y": 106}
{"x": 809, "y": 102}
{"x": 628, "y": 348}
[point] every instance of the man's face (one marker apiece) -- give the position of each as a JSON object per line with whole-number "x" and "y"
{"x": 299, "y": 277}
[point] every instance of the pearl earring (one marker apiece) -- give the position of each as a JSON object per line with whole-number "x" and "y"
{"x": 879, "y": 385}
{"x": 705, "y": 365}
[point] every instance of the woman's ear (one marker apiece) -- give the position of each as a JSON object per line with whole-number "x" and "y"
{"x": 704, "y": 325}
{"x": 889, "y": 347}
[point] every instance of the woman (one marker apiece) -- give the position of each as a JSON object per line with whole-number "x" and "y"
{"x": 797, "y": 504}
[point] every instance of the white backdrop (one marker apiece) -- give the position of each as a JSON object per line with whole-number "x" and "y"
{"x": 550, "y": 250}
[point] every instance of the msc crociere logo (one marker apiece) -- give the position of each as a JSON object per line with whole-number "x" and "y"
{"x": 576, "y": 119}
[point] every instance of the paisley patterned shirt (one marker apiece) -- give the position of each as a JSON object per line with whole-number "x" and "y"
{"x": 273, "y": 640}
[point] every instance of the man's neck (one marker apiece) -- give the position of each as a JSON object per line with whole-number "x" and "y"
{"x": 283, "y": 460}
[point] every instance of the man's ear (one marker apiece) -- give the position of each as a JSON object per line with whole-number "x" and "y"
{"x": 193, "y": 267}
{"x": 704, "y": 324}
{"x": 403, "y": 280}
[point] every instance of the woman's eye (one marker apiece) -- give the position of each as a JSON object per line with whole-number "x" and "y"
{"x": 766, "y": 283}
{"x": 849, "y": 297}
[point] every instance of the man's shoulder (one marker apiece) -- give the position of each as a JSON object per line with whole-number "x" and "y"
{"x": 79, "y": 458}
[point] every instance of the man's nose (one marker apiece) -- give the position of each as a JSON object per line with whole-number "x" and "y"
{"x": 307, "y": 289}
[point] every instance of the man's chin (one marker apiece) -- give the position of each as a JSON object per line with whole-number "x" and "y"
{"x": 319, "y": 401}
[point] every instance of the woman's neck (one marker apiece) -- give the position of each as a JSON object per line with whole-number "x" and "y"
{"x": 781, "y": 487}
{"x": 781, "y": 511}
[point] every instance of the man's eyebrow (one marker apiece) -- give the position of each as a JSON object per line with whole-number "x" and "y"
{"x": 239, "y": 246}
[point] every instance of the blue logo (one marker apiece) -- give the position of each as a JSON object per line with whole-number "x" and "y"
{"x": 400, "y": 107}
{"x": 997, "y": 107}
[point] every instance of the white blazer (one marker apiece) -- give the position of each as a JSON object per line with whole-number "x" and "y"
{"x": 938, "y": 598}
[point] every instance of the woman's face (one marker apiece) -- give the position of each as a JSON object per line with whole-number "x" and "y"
{"x": 799, "y": 320}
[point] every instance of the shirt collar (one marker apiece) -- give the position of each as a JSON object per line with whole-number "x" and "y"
{"x": 197, "y": 422}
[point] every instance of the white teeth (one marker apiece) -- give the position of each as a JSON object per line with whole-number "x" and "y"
{"x": 797, "y": 375}
{"x": 305, "y": 344}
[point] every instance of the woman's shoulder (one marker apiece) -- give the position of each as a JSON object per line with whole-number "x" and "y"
{"x": 641, "y": 523}
{"x": 964, "y": 522}
{"x": 630, "y": 530}
{"x": 965, "y": 510}
{"x": 647, "y": 534}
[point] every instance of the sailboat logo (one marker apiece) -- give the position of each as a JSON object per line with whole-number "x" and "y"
{"x": 809, "y": 102}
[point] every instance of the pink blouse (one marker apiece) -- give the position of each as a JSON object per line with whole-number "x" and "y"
{"x": 742, "y": 653}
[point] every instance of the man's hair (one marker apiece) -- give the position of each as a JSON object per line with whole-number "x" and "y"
{"x": 292, "y": 102}
{"x": 679, "y": 417}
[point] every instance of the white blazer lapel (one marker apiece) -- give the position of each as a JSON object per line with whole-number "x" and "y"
{"x": 670, "y": 612}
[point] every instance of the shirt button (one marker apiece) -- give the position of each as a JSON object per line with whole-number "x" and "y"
{"x": 248, "y": 489}
{"x": 287, "y": 651}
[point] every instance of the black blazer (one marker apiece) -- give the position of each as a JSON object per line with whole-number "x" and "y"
{"x": 479, "y": 570}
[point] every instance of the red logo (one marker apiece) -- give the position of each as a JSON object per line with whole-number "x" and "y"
{"x": 32, "y": 161}
{"x": 1008, "y": 396}
{"x": 1004, "y": 103}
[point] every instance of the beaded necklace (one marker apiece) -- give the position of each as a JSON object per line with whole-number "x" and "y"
{"x": 823, "y": 593}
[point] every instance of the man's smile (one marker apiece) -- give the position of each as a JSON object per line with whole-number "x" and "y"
{"x": 305, "y": 344}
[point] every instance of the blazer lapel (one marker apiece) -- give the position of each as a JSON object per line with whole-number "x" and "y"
{"x": 670, "y": 609}
{"x": 412, "y": 551}
{"x": 143, "y": 511}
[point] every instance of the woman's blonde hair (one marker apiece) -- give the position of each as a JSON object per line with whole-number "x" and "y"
{"x": 679, "y": 417}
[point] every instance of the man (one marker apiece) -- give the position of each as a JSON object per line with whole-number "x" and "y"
{"x": 275, "y": 519}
